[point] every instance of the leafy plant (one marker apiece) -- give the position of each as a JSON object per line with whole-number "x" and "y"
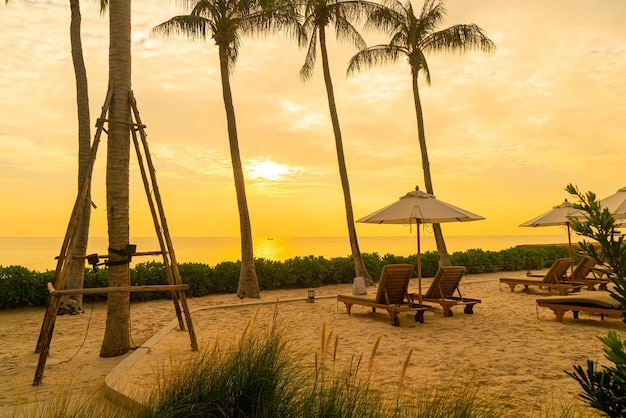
{"x": 600, "y": 226}
{"x": 604, "y": 388}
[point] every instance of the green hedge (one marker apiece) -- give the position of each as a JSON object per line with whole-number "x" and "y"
{"x": 20, "y": 286}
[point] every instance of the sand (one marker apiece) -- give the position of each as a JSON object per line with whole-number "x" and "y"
{"x": 515, "y": 351}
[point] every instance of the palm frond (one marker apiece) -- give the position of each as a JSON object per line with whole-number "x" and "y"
{"x": 432, "y": 15}
{"x": 354, "y": 10}
{"x": 400, "y": 40}
{"x": 273, "y": 17}
{"x": 306, "y": 72}
{"x": 188, "y": 5}
{"x": 346, "y": 32}
{"x": 386, "y": 19}
{"x": 192, "y": 27}
{"x": 373, "y": 56}
{"x": 459, "y": 38}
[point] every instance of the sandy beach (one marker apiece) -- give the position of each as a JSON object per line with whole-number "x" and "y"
{"x": 516, "y": 352}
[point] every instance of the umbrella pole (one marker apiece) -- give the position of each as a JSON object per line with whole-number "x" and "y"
{"x": 569, "y": 242}
{"x": 419, "y": 264}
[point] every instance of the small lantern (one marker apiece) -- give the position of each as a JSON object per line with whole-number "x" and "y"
{"x": 311, "y": 297}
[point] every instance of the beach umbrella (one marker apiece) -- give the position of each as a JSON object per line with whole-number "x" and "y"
{"x": 616, "y": 203}
{"x": 417, "y": 208}
{"x": 559, "y": 215}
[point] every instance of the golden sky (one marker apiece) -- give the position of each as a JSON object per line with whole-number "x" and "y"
{"x": 506, "y": 132}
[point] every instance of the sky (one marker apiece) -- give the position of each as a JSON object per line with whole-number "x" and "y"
{"x": 506, "y": 132}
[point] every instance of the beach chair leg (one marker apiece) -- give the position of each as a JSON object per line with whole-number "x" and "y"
{"x": 447, "y": 311}
{"x": 395, "y": 319}
{"x": 575, "y": 314}
{"x": 419, "y": 317}
{"x": 469, "y": 309}
{"x": 512, "y": 286}
{"x": 348, "y": 307}
{"x": 558, "y": 312}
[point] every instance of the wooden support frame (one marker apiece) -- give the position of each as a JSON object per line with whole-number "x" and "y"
{"x": 174, "y": 286}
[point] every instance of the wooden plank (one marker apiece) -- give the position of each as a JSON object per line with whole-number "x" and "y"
{"x": 121, "y": 289}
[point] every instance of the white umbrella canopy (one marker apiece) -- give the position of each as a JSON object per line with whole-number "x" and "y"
{"x": 616, "y": 203}
{"x": 559, "y": 215}
{"x": 419, "y": 208}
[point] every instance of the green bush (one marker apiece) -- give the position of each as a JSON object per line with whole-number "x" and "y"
{"x": 22, "y": 287}
{"x": 149, "y": 273}
{"x": 270, "y": 273}
{"x": 306, "y": 271}
{"x": 226, "y": 277}
{"x": 339, "y": 270}
{"x": 477, "y": 261}
{"x": 200, "y": 278}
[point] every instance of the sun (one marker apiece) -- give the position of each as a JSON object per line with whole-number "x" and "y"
{"x": 267, "y": 170}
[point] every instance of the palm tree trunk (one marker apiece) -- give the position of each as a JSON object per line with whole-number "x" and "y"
{"x": 248, "y": 285}
{"x": 117, "y": 332}
{"x": 444, "y": 258}
{"x": 359, "y": 265}
{"x": 77, "y": 265}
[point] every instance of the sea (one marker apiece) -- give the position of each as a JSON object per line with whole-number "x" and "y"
{"x": 40, "y": 253}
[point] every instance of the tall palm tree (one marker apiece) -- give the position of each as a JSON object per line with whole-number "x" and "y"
{"x": 225, "y": 21}
{"x": 76, "y": 274}
{"x": 117, "y": 332}
{"x": 318, "y": 15}
{"x": 413, "y": 37}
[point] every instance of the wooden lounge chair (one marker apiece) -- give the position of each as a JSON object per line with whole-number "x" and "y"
{"x": 392, "y": 294}
{"x": 598, "y": 303}
{"x": 555, "y": 278}
{"x": 443, "y": 287}
{"x": 580, "y": 275}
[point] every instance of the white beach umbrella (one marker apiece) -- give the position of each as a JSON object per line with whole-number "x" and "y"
{"x": 616, "y": 203}
{"x": 559, "y": 215}
{"x": 418, "y": 207}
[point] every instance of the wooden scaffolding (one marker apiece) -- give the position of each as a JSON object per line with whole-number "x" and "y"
{"x": 174, "y": 286}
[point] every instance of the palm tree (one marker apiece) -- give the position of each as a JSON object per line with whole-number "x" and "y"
{"x": 117, "y": 332}
{"x": 413, "y": 37}
{"x": 318, "y": 15}
{"x": 225, "y": 21}
{"x": 76, "y": 274}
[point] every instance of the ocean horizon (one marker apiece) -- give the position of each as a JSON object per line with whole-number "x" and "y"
{"x": 38, "y": 253}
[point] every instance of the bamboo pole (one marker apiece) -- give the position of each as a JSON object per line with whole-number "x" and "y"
{"x": 164, "y": 230}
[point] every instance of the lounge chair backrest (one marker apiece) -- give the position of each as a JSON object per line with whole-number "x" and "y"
{"x": 583, "y": 268}
{"x": 446, "y": 281}
{"x": 393, "y": 283}
{"x": 558, "y": 270}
